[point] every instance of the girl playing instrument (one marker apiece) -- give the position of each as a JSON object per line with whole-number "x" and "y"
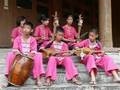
{"x": 59, "y": 58}
{"x": 97, "y": 58}
{"x": 43, "y": 32}
{"x": 70, "y": 33}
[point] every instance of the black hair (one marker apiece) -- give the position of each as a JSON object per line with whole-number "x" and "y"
{"x": 68, "y": 15}
{"x": 29, "y": 24}
{"x": 94, "y": 30}
{"x": 59, "y": 29}
{"x": 43, "y": 18}
{"x": 19, "y": 19}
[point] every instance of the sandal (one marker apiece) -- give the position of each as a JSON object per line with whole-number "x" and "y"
{"x": 117, "y": 80}
{"x": 1, "y": 87}
{"x": 76, "y": 82}
{"x": 38, "y": 83}
{"x": 48, "y": 83}
{"x": 92, "y": 82}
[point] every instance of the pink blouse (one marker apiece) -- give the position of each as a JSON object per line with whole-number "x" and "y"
{"x": 16, "y": 32}
{"x": 69, "y": 32}
{"x": 42, "y": 31}
{"x": 19, "y": 45}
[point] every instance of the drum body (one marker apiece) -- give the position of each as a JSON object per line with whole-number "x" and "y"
{"x": 20, "y": 70}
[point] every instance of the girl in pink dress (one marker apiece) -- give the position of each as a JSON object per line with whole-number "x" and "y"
{"x": 70, "y": 33}
{"x": 26, "y": 44}
{"x": 59, "y": 58}
{"x": 17, "y": 30}
{"x": 97, "y": 58}
{"x": 42, "y": 32}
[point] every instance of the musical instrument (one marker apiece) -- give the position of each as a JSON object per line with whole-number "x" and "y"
{"x": 20, "y": 70}
{"x": 55, "y": 23}
{"x": 86, "y": 50}
{"x": 80, "y": 23}
{"x": 49, "y": 52}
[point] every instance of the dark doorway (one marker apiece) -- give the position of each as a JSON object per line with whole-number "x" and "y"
{"x": 116, "y": 22}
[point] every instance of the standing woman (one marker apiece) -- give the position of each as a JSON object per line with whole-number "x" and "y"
{"x": 42, "y": 32}
{"x": 19, "y": 25}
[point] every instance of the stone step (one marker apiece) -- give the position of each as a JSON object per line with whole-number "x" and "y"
{"x": 103, "y": 82}
{"x": 60, "y": 69}
{"x": 30, "y": 85}
{"x": 83, "y": 76}
{"x": 63, "y": 86}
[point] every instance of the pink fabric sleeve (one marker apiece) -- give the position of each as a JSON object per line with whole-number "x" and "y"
{"x": 75, "y": 32}
{"x": 16, "y": 47}
{"x": 14, "y": 33}
{"x": 65, "y": 47}
{"x": 33, "y": 45}
{"x": 49, "y": 32}
{"x": 81, "y": 44}
{"x": 16, "y": 43}
{"x": 64, "y": 31}
{"x": 37, "y": 32}
{"x": 100, "y": 45}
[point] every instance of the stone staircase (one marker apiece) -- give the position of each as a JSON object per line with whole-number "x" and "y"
{"x": 103, "y": 82}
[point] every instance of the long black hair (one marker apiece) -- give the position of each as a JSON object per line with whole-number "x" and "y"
{"x": 19, "y": 19}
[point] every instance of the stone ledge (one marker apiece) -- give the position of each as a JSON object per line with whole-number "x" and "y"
{"x": 109, "y": 86}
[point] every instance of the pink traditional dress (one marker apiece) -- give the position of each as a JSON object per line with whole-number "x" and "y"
{"x": 97, "y": 59}
{"x": 16, "y": 32}
{"x": 66, "y": 61}
{"x": 26, "y": 48}
{"x": 70, "y": 33}
{"x": 43, "y": 32}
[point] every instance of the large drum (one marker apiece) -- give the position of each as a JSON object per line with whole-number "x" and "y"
{"x": 20, "y": 70}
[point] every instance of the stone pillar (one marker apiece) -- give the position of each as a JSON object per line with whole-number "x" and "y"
{"x": 105, "y": 23}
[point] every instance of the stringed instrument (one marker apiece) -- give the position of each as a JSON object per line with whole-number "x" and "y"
{"x": 80, "y": 23}
{"x": 47, "y": 52}
{"x": 78, "y": 51}
{"x": 55, "y": 23}
{"x": 86, "y": 51}
{"x": 52, "y": 52}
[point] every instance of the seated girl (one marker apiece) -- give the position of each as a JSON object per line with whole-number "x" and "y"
{"x": 59, "y": 57}
{"x": 97, "y": 58}
{"x": 26, "y": 44}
